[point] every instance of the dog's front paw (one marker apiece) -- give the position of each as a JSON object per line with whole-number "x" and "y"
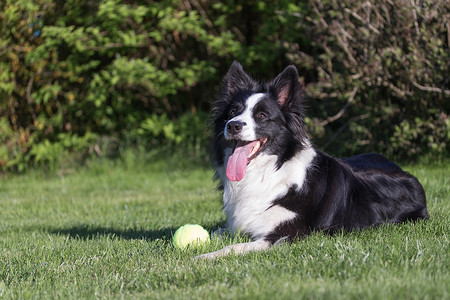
{"x": 213, "y": 255}
{"x": 241, "y": 248}
{"x": 206, "y": 256}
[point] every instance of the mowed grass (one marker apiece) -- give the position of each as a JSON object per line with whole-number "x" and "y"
{"x": 105, "y": 232}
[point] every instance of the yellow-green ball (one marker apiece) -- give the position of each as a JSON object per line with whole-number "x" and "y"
{"x": 190, "y": 235}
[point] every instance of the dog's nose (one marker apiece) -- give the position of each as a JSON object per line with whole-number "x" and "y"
{"x": 235, "y": 127}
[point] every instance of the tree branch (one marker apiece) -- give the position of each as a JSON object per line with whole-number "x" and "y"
{"x": 356, "y": 16}
{"x": 342, "y": 111}
{"x": 430, "y": 88}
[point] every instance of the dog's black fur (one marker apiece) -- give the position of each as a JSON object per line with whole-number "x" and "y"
{"x": 353, "y": 193}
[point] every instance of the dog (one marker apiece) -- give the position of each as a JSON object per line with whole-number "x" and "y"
{"x": 278, "y": 187}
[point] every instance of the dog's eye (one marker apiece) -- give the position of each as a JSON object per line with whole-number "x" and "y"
{"x": 262, "y": 115}
{"x": 232, "y": 112}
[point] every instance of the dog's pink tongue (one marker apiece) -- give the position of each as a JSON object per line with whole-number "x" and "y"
{"x": 237, "y": 163}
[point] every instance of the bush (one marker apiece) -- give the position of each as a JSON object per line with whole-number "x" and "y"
{"x": 379, "y": 75}
{"x": 99, "y": 68}
{"x": 76, "y": 73}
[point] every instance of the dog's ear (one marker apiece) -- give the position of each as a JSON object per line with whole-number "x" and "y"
{"x": 287, "y": 91}
{"x": 285, "y": 87}
{"x": 236, "y": 80}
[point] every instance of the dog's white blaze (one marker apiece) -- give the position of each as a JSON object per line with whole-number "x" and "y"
{"x": 248, "y": 203}
{"x": 248, "y": 130}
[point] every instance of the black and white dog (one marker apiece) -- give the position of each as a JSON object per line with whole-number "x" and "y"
{"x": 277, "y": 186}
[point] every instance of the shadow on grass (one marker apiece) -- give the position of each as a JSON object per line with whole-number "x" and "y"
{"x": 87, "y": 232}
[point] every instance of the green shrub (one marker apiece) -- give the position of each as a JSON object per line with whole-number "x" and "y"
{"x": 189, "y": 132}
{"x": 90, "y": 76}
{"x": 76, "y": 68}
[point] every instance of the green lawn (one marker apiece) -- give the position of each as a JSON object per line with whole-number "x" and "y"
{"x": 105, "y": 232}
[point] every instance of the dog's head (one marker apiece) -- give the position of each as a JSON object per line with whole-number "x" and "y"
{"x": 252, "y": 118}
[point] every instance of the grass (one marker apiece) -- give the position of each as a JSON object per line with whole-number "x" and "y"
{"x": 105, "y": 232}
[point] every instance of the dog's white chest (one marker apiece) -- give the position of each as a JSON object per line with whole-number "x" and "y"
{"x": 249, "y": 203}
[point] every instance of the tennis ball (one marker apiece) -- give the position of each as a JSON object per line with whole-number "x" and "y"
{"x": 190, "y": 235}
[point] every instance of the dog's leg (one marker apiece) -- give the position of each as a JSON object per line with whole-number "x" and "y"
{"x": 237, "y": 249}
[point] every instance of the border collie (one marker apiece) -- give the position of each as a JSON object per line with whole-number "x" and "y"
{"x": 278, "y": 187}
